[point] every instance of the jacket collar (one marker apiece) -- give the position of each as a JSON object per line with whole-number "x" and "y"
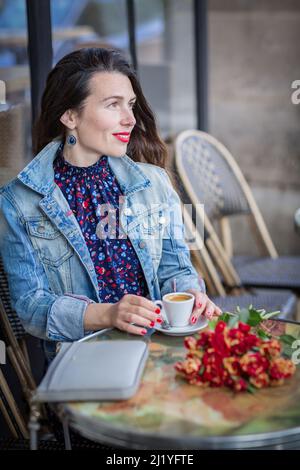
{"x": 39, "y": 173}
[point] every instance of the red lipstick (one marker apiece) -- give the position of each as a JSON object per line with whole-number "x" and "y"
{"x": 122, "y": 136}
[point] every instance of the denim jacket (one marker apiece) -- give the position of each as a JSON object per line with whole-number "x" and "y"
{"x": 50, "y": 272}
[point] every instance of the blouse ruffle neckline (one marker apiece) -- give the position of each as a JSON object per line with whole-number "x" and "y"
{"x": 71, "y": 170}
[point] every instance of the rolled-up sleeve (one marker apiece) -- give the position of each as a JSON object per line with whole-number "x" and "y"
{"x": 175, "y": 263}
{"x": 42, "y": 313}
{"x": 59, "y": 325}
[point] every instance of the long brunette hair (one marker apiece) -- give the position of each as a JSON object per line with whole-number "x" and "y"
{"x": 67, "y": 87}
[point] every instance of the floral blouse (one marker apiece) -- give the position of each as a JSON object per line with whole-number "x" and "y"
{"x": 86, "y": 189}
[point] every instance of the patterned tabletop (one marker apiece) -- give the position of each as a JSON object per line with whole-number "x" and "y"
{"x": 166, "y": 412}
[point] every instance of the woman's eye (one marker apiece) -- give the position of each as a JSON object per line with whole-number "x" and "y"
{"x": 113, "y": 105}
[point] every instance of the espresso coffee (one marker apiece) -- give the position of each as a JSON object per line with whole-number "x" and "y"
{"x": 178, "y": 297}
{"x": 177, "y": 308}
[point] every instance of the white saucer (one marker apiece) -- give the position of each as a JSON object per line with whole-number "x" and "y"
{"x": 183, "y": 330}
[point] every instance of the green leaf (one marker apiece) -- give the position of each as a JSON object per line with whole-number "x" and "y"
{"x": 233, "y": 320}
{"x": 266, "y": 315}
{"x": 201, "y": 371}
{"x": 251, "y": 388}
{"x": 287, "y": 339}
{"x": 254, "y": 317}
{"x": 244, "y": 315}
{"x": 262, "y": 334}
{"x": 212, "y": 324}
{"x": 250, "y": 316}
{"x": 226, "y": 316}
{"x": 287, "y": 351}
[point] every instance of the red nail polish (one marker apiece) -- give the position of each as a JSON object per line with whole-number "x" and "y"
{"x": 152, "y": 324}
{"x": 159, "y": 320}
{"x": 157, "y": 310}
{"x": 144, "y": 332}
{"x": 193, "y": 319}
{"x": 199, "y": 305}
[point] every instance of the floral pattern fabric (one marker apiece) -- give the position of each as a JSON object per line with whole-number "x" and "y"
{"x": 88, "y": 190}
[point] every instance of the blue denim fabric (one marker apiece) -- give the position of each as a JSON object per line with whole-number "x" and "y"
{"x": 50, "y": 272}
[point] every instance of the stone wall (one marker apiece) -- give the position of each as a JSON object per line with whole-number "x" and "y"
{"x": 254, "y": 56}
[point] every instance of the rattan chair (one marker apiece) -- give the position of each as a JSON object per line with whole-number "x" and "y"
{"x": 210, "y": 175}
{"x": 51, "y": 445}
{"x": 14, "y": 336}
{"x": 10, "y": 410}
{"x": 271, "y": 300}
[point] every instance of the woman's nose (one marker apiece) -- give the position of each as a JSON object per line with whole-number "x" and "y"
{"x": 128, "y": 118}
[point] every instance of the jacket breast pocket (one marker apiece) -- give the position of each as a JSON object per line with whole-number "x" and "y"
{"x": 51, "y": 245}
{"x": 54, "y": 252}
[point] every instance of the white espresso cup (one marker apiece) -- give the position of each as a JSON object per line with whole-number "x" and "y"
{"x": 177, "y": 307}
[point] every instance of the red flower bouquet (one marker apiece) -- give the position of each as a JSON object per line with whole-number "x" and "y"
{"x": 230, "y": 354}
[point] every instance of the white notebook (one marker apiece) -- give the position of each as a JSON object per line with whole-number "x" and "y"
{"x": 96, "y": 370}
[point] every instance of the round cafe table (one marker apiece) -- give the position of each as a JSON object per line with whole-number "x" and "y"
{"x": 168, "y": 413}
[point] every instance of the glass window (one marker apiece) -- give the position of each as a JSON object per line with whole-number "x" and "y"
{"x": 165, "y": 50}
{"x": 91, "y": 23}
{"x": 15, "y": 122}
{"x": 165, "y": 60}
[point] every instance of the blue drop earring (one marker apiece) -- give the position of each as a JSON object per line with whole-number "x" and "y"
{"x": 71, "y": 139}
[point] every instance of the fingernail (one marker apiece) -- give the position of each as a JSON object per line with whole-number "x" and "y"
{"x": 199, "y": 305}
{"x": 159, "y": 320}
{"x": 157, "y": 310}
{"x": 193, "y": 320}
{"x": 144, "y": 332}
{"x": 152, "y": 324}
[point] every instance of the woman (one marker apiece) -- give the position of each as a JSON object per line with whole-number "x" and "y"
{"x": 90, "y": 236}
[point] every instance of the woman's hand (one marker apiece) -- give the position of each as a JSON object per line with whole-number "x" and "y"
{"x": 203, "y": 306}
{"x": 133, "y": 314}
